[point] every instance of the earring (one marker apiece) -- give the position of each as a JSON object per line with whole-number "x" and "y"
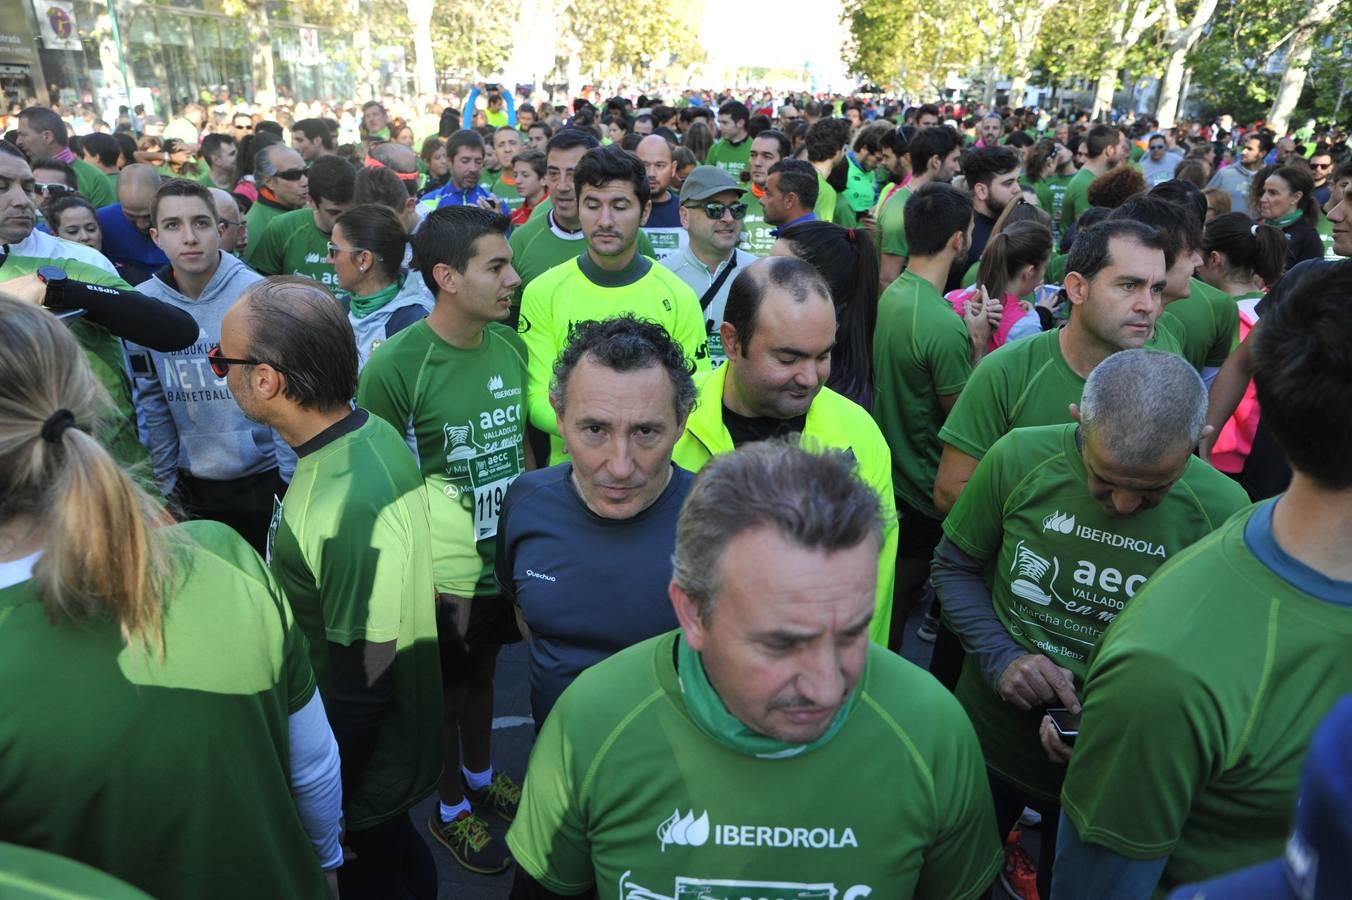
{"x": 361, "y": 268}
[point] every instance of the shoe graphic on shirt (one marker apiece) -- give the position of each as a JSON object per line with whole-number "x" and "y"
{"x": 1031, "y": 573}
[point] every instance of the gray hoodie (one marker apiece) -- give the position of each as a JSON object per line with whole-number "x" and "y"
{"x": 188, "y": 416}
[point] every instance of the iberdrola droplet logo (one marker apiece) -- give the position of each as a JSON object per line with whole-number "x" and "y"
{"x": 684, "y": 831}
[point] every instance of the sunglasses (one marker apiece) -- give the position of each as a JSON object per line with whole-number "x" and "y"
{"x": 334, "y": 249}
{"x": 1321, "y": 165}
{"x": 220, "y": 365}
{"x": 1156, "y": 146}
{"x": 291, "y": 174}
{"x": 715, "y": 210}
{"x": 55, "y": 189}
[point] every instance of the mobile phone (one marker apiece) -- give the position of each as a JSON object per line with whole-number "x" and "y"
{"x": 1066, "y": 723}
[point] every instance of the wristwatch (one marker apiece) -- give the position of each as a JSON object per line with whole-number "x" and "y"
{"x": 55, "y": 279}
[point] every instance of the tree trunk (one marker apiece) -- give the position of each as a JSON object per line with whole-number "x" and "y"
{"x": 1124, "y": 33}
{"x": 424, "y": 65}
{"x": 262, "y": 64}
{"x": 1298, "y": 63}
{"x": 1027, "y": 30}
{"x": 1179, "y": 41}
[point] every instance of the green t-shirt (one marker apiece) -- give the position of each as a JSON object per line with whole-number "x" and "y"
{"x": 1025, "y": 382}
{"x": 1051, "y": 196}
{"x": 462, "y": 412}
{"x": 507, "y": 193}
{"x": 293, "y": 245}
{"x": 1199, "y": 708}
{"x": 117, "y": 431}
{"x": 93, "y": 184}
{"x": 576, "y": 291}
{"x": 1210, "y": 321}
{"x": 1325, "y": 229}
{"x": 138, "y": 765}
{"x": 843, "y": 215}
{"x": 1076, "y": 199}
{"x": 731, "y": 158}
{"x": 626, "y": 793}
{"x": 28, "y": 874}
{"x": 540, "y": 245}
{"x": 892, "y": 225}
{"x": 351, "y": 546}
{"x": 825, "y": 209}
{"x": 756, "y": 237}
{"x": 541, "y": 208}
{"x": 1060, "y": 568}
{"x": 921, "y": 351}
{"x": 259, "y": 216}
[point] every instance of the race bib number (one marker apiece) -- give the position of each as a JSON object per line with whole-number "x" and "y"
{"x": 718, "y": 889}
{"x": 490, "y": 474}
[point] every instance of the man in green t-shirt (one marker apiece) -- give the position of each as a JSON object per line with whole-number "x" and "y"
{"x": 283, "y": 185}
{"x": 922, "y": 357}
{"x": 779, "y": 327}
{"x": 507, "y": 143}
{"x": 297, "y": 242}
{"x": 1051, "y": 189}
{"x": 1206, "y": 320}
{"x": 1106, "y": 148}
{"x": 936, "y": 156}
{"x": 730, "y": 152}
{"x": 1115, "y": 284}
{"x": 680, "y": 767}
{"x": 767, "y": 148}
{"x": 42, "y": 134}
{"x": 1056, "y": 532}
{"x": 555, "y": 236}
{"x": 610, "y": 278}
{"x": 1202, "y": 699}
{"x": 454, "y": 384}
{"x": 351, "y": 547}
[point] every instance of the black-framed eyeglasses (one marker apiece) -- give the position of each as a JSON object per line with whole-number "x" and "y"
{"x": 220, "y": 364}
{"x": 291, "y": 174}
{"x": 715, "y": 210}
{"x": 54, "y": 188}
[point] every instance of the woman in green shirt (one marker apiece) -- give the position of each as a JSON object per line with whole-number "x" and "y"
{"x": 167, "y": 730}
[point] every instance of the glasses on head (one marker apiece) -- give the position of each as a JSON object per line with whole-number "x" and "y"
{"x": 715, "y": 210}
{"x": 220, "y": 363}
{"x": 291, "y": 174}
{"x": 55, "y": 189}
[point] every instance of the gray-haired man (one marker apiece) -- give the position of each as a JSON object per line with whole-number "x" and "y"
{"x": 684, "y": 759}
{"x": 1058, "y": 528}
{"x": 584, "y": 547}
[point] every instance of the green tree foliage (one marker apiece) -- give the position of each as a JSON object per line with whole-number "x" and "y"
{"x": 616, "y": 37}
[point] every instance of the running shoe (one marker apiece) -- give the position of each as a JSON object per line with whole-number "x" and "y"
{"x": 929, "y": 628}
{"x": 469, "y": 841}
{"x": 500, "y": 796}
{"x": 1019, "y": 875}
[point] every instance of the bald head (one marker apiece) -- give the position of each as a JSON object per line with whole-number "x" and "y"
{"x": 136, "y": 187}
{"x": 396, "y": 156}
{"x": 659, "y": 164}
{"x": 234, "y": 235}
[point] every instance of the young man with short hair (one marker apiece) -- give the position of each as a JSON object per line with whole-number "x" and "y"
{"x": 936, "y": 155}
{"x": 312, "y": 139}
{"x": 351, "y": 547}
{"x": 297, "y": 242}
{"x": 1105, "y": 148}
{"x": 992, "y": 176}
{"x": 219, "y": 152}
{"x": 609, "y": 278}
{"x": 528, "y": 168}
{"x": 455, "y": 384}
{"x": 221, "y": 465}
{"x": 767, "y": 148}
{"x": 465, "y": 150}
{"x": 507, "y": 143}
{"x": 790, "y": 194}
{"x": 731, "y": 149}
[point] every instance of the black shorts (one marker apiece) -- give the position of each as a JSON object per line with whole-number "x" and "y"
{"x": 467, "y": 625}
{"x": 917, "y": 533}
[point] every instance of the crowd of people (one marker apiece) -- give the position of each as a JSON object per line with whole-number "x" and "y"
{"x": 717, "y": 405}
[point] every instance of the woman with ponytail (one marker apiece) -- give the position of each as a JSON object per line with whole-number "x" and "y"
{"x": 846, "y": 258}
{"x": 367, "y": 250}
{"x": 1013, "y": 265}
{"x": 159, "y": 718}
{"x": 1243, "y": 260}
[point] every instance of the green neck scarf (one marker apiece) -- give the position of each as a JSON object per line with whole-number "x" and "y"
{"x": 712, "y": 717}
{"x": 362, "y": 307}
{"x": 1288, "y": 219}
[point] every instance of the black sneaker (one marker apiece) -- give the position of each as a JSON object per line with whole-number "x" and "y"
{"x": 469, "y": 841}
{"x": 502, "y": 796}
